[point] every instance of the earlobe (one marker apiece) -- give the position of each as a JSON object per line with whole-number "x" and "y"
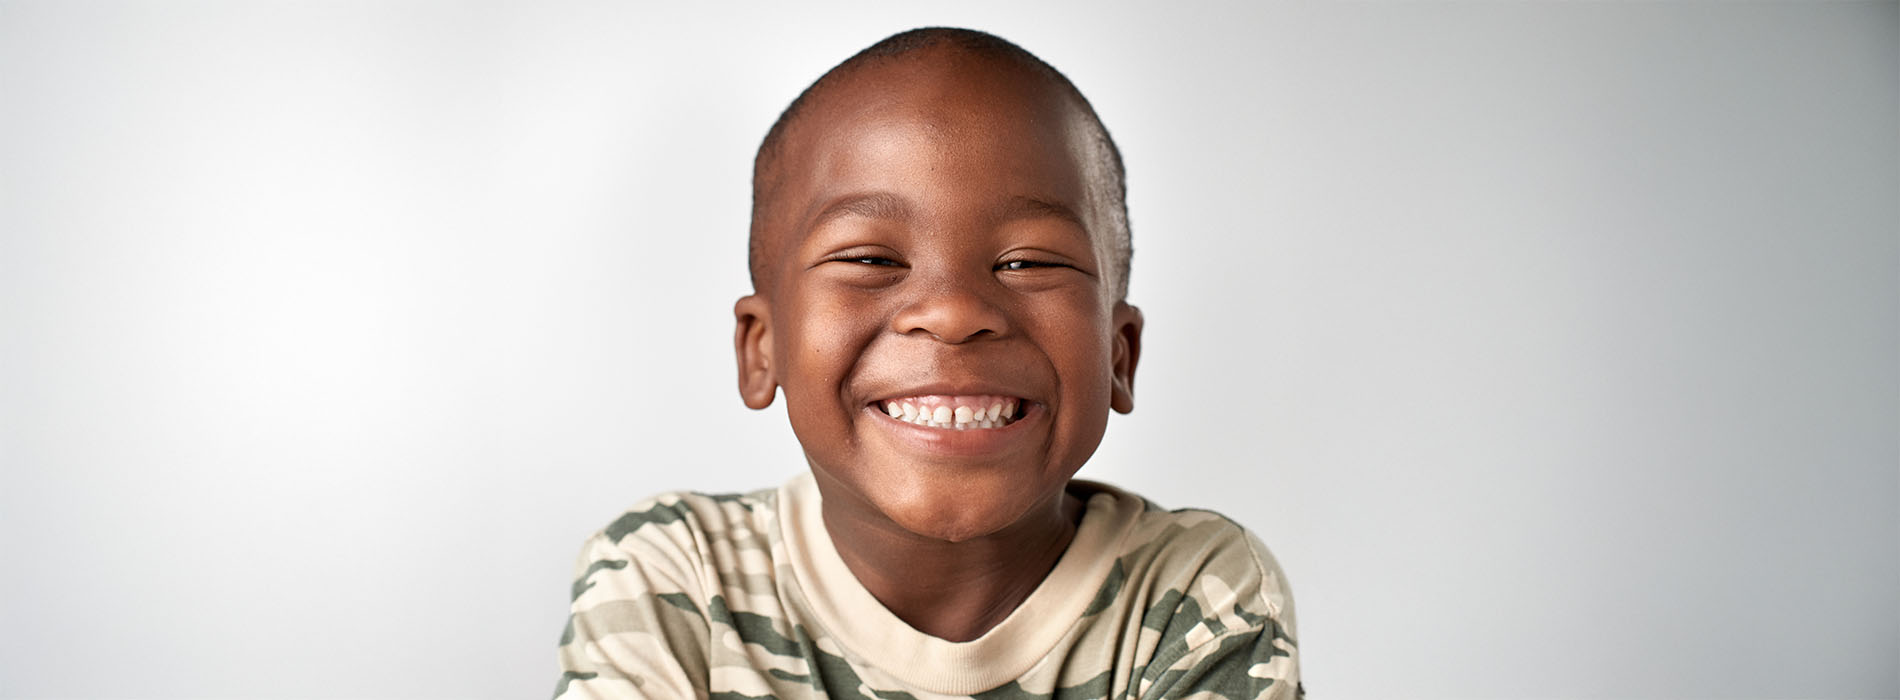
{"x": 1127, "y": 320}
{"x": 752, "y": 344}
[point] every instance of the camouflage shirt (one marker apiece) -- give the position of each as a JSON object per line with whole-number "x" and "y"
{"x": 744, "y": 596}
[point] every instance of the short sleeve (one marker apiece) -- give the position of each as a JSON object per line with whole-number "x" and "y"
{"x": 1253, "y": 664}
{"x": 1244, "y": 644}
{"x": 636, "y": 627}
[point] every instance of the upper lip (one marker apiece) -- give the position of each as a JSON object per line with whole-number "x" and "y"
{"x": 978, "y": 388}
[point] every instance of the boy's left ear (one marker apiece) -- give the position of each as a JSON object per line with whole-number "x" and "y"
{"x": 1127, "y": 320}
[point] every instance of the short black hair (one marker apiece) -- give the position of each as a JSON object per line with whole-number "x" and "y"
{"x": 983, "y": 43}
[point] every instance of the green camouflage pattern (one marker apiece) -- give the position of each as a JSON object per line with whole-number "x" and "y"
{"x": 689, "y": 596}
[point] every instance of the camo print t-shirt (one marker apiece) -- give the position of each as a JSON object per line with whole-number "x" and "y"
{"x": 744, "y": 596}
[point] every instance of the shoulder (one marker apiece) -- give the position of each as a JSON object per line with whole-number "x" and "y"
{"x": 1212, "y": 601}
{"x": 1201, "y": 555}
{"x": 678, "y": 536}
{"x": 647, "y": 590}
{"x": 669, "y": 516}
{"x": 1228, "y": 564}
{"x": 681, "y": 522}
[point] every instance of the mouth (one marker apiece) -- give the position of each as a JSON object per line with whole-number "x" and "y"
{"x": 954, "y": 412}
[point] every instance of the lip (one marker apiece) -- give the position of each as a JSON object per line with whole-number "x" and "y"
{"x": 958, "y": 443}
{"x": 953, "y": 389}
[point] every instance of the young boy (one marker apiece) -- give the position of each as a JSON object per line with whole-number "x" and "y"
{"x": 940, "y": 259}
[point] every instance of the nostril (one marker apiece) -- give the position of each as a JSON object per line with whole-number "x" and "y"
{"x": 955, "y": 339}
{"x": 951, "y": 316}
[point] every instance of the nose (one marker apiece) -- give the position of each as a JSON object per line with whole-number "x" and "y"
{"x": 951, "y": 313}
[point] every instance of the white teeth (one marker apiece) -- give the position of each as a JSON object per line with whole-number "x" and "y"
{"x": 952, "y": 416}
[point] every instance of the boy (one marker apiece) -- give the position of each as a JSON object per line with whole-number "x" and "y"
{"x": 939, "y": 256}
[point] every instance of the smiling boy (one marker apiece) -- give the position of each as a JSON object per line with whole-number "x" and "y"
{"x": 940, "y": 264}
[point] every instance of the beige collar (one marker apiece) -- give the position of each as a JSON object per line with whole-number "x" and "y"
{"x": 857, "y": 621}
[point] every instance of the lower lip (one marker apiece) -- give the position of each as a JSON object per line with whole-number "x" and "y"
{"x": 972, "y": 442}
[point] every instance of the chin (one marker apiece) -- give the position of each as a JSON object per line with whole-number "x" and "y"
{"x": 967, "y": 515}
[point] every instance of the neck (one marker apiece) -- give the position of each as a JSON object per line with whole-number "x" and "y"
{"x": 951, "y": 590}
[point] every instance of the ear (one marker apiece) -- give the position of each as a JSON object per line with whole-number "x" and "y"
{"x": 1127, "y": 320}
{"x": 752, "y": 343}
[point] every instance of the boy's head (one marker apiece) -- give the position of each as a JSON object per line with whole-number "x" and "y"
{"x": 938, "y": 237}
{"x": 1106, "y": 169}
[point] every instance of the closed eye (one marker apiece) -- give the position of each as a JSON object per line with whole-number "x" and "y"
{"x": 866, "y": 260}
{"x": 1027, "y": 265}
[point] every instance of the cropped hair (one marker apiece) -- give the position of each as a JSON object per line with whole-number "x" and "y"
{"x": 764, "y": 165}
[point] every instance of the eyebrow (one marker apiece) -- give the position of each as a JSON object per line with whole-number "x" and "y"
{"x": 870, "y": 205}
{"x": 1020, "y": 207}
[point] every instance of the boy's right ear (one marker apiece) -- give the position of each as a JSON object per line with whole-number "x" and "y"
{"x": 752, "y": 343}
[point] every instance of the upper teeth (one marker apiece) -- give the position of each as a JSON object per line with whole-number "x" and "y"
{"x": 955, "y": 412}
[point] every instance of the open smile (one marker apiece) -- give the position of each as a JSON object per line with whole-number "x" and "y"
{"x": 954, "y": 412}
{"x": 981, "y": 438}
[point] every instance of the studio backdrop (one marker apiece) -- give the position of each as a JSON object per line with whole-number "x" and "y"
{"x": 1552, "y": 347}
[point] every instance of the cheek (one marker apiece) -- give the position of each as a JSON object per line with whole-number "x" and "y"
{"x": 1076, "y": 336}
{"x": 821, "y": 344}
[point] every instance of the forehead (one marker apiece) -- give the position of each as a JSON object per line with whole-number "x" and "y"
{"x": 944, "y": 131}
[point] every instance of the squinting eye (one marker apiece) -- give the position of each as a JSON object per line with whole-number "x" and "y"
{"x": 871, "y": 260}
{"x": 1026, "y": 265}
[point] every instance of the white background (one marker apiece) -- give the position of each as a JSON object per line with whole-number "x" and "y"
{"x": 1554, "y": 347}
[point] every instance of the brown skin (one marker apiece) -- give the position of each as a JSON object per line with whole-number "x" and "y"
{"x": 938, "y": 228}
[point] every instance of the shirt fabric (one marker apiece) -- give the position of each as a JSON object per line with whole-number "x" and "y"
{"x": 744, "y": 596}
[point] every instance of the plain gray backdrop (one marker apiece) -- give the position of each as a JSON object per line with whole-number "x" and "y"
{"x": 1553, "y": 347}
